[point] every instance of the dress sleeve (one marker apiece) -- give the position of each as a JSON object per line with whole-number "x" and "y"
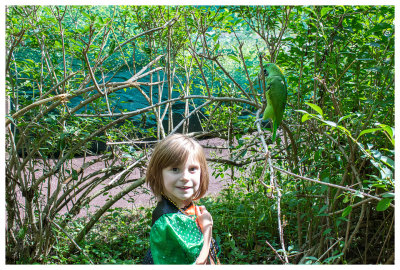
{"x": 175, "y": 239}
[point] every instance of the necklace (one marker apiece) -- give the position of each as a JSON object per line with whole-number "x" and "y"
{"x": 212, "y": 248}
{"x": 181, "y": 209}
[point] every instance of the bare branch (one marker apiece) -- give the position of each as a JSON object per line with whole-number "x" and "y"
{"x": 354, "y": 191}
{"x": 72, "y": 240}
{"x": 61, "y": 97}
{"x": 92, "y": 74}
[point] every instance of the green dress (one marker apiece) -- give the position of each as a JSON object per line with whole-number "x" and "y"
{"x": 175, "y": 238}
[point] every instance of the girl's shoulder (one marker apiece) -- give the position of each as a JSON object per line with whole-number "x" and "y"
{"x": 163, "y": 207}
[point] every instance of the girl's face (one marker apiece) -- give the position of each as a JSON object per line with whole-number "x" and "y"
{"x": 181, "y": 182}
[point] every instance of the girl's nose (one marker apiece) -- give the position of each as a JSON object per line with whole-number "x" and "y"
{"x": 185, "y": 175}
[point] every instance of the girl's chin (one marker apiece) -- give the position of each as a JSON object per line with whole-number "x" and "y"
{"x": 184, "y": 200}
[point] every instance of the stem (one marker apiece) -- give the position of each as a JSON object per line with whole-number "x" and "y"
{"x": 102, "y": 210}
{"x": 72, "y": 240}
{"x": 275, "y": 186}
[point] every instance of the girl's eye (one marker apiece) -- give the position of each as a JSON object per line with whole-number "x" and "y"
{"x": 193, "y": 169}
{"x": 175, "y": 169}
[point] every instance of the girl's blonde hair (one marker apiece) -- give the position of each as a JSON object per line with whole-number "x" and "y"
{"x": 174, "y": 150}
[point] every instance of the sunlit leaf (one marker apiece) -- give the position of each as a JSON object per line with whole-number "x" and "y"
{"x": 315, "y": 108}
{"x": 325, "y": 10}
{"x": 234, "y": 58}
{"x": 330, "y": 123}
{"x": 306, "y": 117}
{"x": 371, "y": 130}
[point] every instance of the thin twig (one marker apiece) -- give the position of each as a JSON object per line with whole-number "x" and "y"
{"x": 126, "y": 170}
{"x": 169, "y": 23}
{"x": 62, "y": 97}
{"x": 190, "y": 114}
{"x": 275, "y": 186}
{"x": 173, "y": 100}
{"x": 386, "y": 239}
{"x": 59, "y": 84}
{"x": 260, "y": 179}
{"x": 354, "y": 191}
{"x": 276, "y": 252}
{"x": 319, "y": 259}
{"x": 353, "y": 206}
{"x": 72, "y": 240}
{"x": 137, "y": 75}
{"x": 92, "y": 74}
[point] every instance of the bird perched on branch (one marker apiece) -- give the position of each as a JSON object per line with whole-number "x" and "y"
{"x": 276, "y": 95}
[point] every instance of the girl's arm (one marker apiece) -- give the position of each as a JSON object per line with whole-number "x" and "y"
{"x": 205, "y": 222}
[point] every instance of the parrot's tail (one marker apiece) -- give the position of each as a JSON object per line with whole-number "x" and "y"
{"x": 275, "y": 127}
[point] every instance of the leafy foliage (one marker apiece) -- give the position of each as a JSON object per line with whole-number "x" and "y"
{"x": 327, "y": 196}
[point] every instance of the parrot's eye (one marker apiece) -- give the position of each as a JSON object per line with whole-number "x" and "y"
{"x": 265, "y": 72}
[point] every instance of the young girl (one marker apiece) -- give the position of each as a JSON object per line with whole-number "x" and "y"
{"x": 181, "y": 232}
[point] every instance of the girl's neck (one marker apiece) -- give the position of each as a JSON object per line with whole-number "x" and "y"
{"x": 178, "y": 205}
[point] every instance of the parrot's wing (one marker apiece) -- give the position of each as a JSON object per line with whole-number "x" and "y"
{"x": 277, "y": 96}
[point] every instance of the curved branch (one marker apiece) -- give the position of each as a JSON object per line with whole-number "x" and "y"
{"x": 102, "y": 210}
{"x": 354, "y": 191}
{"x": 133, "y": 113}
{"x": 61, "y": 97}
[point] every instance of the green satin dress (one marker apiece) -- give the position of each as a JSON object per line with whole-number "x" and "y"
{"x": 175, "y": 238}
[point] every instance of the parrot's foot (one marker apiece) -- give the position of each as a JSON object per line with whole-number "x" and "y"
{"x": 258, "y": 120}
{"x": 263, "y": 123}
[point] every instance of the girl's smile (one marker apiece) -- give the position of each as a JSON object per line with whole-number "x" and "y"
{"x": 182, "y": 182}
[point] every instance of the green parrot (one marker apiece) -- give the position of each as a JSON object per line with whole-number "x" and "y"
{"x": 276, "y": 94}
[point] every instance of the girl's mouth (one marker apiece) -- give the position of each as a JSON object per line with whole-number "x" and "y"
{"x": 184, "y": 188}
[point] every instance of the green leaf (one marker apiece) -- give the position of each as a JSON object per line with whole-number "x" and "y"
{"x": 231, "y": 56}
{"x": 312, "y": 258}
{"x": 346, "y": 199}
{"x": 388, "y": 161}
{"x": 371, "y": 130}
{"x": 383, "y": 204}
{"x": 365, "y": 59}
{"x": 322, "y": 210}
{"x": 306, "y": 117}
{"x": 345, "y": 117}
{"x": 315, "y": 108}
{"x": 112, "y": 47}
{"x": 388, "y": 195}
{"x": 324, "y": 11}
{"x": 358, "y": 194}
{"x": 330, "y": 123}
{"x": 347, "y": 211}
{"x": 328, "y": 260}
{"x": 345, "y": 130}
{"x": 388, "y": 130}
{"x": 261, "y": 217}
{"x": 85, "y": 14}
{"x": 327, "y": 231}
{"x": 74, "y": 175}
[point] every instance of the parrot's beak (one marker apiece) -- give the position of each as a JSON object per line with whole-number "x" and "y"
{"x": 265, "y": 72}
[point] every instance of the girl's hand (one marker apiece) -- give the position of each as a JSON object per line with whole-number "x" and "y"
{"x": 204, "y": 218}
